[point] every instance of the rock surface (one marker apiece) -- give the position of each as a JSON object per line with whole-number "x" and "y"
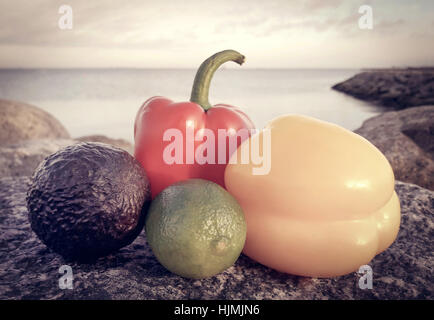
{"x": 28, "y": 270}
{"x": 406, "y": 138}
{"x": 120, "y": 143}
{"x": 28, "y": 134}
{"x": 396, "y": 88}
{"x": 20, "y": 121}
{"x": 21, "y": 159}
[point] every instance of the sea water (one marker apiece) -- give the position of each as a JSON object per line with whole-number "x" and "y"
{"x": 105, "y": 101}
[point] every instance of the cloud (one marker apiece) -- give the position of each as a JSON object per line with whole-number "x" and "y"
{"x": 314, "y": 24}
{"x": 107, "y": 23}
{"x": 141, "y": 23}
{"x": 321, "y": 4}
{"x": 113, "y": 32}
{"x": 390, "y": 24}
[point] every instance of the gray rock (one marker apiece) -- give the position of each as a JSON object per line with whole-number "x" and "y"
{"x": 20, "y": 121}
{"x": 28, "y": 270}
{"x": 396, "y": 88}
{"x": 120, "y": 143}
{"x": 406, "y": 138}
{"x": 22, "y": 158}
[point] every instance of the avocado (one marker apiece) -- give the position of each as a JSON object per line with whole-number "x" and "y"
{"x": 88, "y": 200}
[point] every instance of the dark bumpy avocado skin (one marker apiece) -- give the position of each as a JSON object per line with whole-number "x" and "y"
{"x": 88, "y": 200}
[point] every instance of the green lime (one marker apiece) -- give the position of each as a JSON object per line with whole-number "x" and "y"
{"x": 195, "y": 228}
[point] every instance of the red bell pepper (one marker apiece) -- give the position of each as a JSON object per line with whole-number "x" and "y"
{"x": 159, "y": 114}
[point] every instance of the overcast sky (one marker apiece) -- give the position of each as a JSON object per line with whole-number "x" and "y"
{"x": 271, "y": 33}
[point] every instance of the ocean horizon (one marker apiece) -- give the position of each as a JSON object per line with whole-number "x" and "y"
{"x": 104, "y": 101}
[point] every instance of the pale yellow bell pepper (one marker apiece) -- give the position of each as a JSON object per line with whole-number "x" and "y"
{"x": 327, "y": 205}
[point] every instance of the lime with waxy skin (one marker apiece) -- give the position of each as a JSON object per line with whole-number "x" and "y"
{"x": 195, "y": 228}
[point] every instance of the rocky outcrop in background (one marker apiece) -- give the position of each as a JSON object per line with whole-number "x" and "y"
{"x": 22, "y": 158}
{"x": 28, "y": 135}
{"x": 396, "y": 88}
{"x": 20, "y": 121}
{"x": 406, "y": 138}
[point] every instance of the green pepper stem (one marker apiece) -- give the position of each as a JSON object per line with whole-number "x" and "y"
{"x": 202, "y": 80}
